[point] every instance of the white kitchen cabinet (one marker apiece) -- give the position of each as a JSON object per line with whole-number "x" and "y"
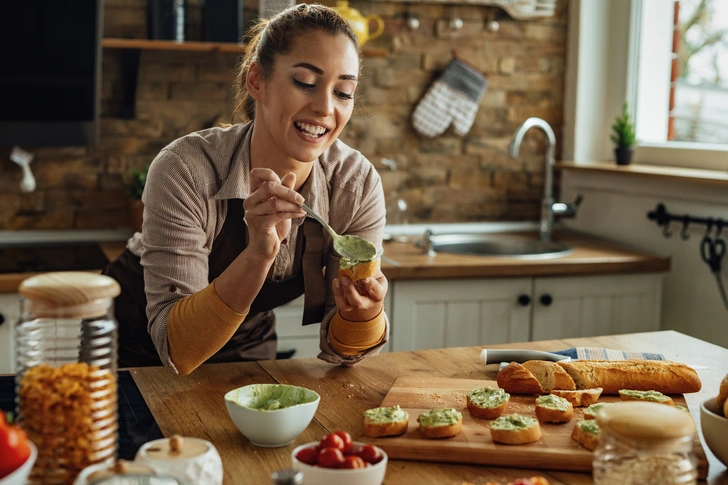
{"x": 452, "y": 313}
{"x": 9, "y": 314}
{"x": 587, "y": 306}
{"x": 304, "y": 339}
{"x": 461, "y": 312}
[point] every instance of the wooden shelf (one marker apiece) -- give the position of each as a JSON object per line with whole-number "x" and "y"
{"x": 710, "y": 177}
{"x": 172, "y": 45}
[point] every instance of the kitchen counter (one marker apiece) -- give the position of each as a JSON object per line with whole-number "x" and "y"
{"x": 194, "y": 405}
{"x": 403, "y": 260}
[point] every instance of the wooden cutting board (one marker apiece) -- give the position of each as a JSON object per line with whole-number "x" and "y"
{"x": 554, "y": 451}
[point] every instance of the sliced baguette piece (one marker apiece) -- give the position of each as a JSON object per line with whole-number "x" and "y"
{"x": 586, "y": 433}
{"x": 360, "y": 270}
{"x": 593, "y": 409}
{"x": 553, "y": 409}
{"x": 514, "y": 429}
{"x": 723, "y": 392}
{"x": 725, "y": 409}
{"x": 385, "y": 421}
{"x": 516, "y": 379}
{"x": 653, "y": 396}
{"x": 581, "y": 398}
{"x": 487, "y": 402}
{"x": 663, "y": 376}
{"x": 440, "y": 423}
{"x": 550, "y": 375}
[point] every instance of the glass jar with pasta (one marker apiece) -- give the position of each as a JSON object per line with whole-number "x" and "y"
{"x": 66, "y": 347}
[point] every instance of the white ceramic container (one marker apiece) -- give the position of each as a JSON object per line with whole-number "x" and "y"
{"x": 715, "y": 429}
{"x": 192, "y": 461}
{"x": 371, "y": 475}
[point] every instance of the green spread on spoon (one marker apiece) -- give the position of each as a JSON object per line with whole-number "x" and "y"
{"x": 590, "y": 426}
{"x": 270, "y": 397}
{"x": 646, "y": 395}
{"x": 386, "y": 414}
{"x": 487, "y": 397}
{"x": 439, "y": 417}
{"x": 553, "y": 402}
{"x": 357, "y": 250}
{"x": 513, "y": 422}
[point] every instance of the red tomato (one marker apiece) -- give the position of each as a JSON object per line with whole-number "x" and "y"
{"x": 353, "y": 461}
{"x": 308, "y": 455}
{"x": 330, "y": 458}
{"x": 346, "y": 438}
{"x": 369, "y": 454}
{"x": 332, "y": 440}
{"x": 14, "y": 449}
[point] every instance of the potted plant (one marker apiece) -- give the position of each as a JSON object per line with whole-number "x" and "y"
{"x": 136, "y": 189}
{"x": 623, "y": 135}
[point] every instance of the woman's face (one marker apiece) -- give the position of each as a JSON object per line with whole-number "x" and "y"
{"x": 309, "y": 98}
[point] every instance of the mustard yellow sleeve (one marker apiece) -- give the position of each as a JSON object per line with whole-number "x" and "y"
{"x": 198, "y": 326}
{"x": 353, "y": 338}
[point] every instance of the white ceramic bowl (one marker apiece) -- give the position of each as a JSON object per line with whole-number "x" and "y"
{"x": 275, "y": 427}
{"x": 371, "y": 475}
{"x": 715, "y": 429}
{"x": 19, "y": 476}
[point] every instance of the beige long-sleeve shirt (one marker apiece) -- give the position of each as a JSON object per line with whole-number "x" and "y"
{"x": 185, "y": 205}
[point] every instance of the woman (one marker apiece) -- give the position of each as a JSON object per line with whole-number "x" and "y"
{"x": 225, "y": 240}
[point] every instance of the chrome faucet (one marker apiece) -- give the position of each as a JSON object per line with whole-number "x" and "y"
{"x": 549, "y": 208}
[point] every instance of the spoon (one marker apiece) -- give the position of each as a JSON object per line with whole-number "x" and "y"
{"x": 351, "y": 247}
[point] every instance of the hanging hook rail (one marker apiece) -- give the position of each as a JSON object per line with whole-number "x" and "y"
{"x": 663, "y": 219}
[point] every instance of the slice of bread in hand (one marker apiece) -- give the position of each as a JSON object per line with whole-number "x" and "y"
{"x": 358, "y": 270}
{"x": 440, "y": 423}
{"x": 487, "y": 402}
{"x": 593, "y": 409}
{"x": 553, "y": 409}
{"x": 586, "y": 433}
{"x": 584, "y": 397}
{"x": 385, "y": 421}
{"x": 654, "y": 396}
{"x": 550, "y": 375}
{"x": 517, "y": 379}
{"x": 514, "y": 429}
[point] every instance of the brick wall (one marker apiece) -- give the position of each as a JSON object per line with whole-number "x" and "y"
{"x": 446, "y": 179}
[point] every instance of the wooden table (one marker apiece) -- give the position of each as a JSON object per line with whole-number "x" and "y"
{"x": 194, "y": 405}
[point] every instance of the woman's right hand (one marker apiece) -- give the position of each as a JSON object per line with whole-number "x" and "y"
{"x": 269, "y": 209}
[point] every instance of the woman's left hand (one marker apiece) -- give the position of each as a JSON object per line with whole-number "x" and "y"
{"x": 361, "y": 300}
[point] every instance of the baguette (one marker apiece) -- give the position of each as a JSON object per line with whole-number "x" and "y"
{"x": 586, "y": 433}
{"x": 385, "y": 421}
{"x": 550, "y": 375}
{"x": 515, "y": 429}
{"x": 725, "y": 409}
{"x": 358, "y": 270}
{"x": 653, "y": 396}
{"x": 486, "y": 402}
{"x": 592, "y": 410}
{"x": 581, "y": 398}
{"x": 440, "y": 423}
{"x": 723, "y": 393}
{"x": 553, "y": 409}
{"x": 640, "y": 375}
{"x": 517, "y": 379}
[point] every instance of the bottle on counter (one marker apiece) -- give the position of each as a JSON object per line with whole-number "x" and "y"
{"x": 286, "y": 477}
{"x": 644, "y": 442}
{"x": 66, "y": 346}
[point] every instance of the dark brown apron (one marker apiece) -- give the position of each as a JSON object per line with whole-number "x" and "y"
{"x": 255, "y": 339}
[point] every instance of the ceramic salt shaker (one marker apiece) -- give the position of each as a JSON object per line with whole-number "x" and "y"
{"x": 191, "y": 460}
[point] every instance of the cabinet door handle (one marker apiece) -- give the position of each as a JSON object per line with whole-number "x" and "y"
{"x": 524, "y": 300}
{"x": 2, "y": 318}
{"x": 546, "y": 299}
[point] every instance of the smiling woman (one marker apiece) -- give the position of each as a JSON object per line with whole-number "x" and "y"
{"x": 225, "y": 240}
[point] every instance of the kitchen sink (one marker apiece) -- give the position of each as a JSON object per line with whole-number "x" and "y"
{"x": 508, "y": 245}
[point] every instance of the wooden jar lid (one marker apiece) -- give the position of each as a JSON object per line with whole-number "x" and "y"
{"x": 68, "y": 289}
{"x": 645, "y": 420}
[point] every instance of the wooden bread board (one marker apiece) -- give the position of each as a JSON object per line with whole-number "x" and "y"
{"x": 554, "y": 451}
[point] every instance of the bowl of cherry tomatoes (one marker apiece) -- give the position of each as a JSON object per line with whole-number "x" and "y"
{"x": 336, "y": 459}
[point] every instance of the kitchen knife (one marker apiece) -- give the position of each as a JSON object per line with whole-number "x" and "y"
{"x": 492, "y": 356}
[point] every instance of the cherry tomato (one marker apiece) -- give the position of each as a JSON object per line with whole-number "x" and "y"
{"x": 308, "y": 455}
{"x": 330, "y": 458}
{"x": 332, "y": 440}
{"x": 369, "y": 454}
{"x": 14, "y": 448}
{"x": 353, "y": 461}
{"x": 346, "y": 438}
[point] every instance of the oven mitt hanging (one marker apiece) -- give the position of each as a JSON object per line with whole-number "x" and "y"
{"x": 453, "y": 98}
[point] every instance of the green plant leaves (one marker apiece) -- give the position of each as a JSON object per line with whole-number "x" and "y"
{"x": 137, "y": 182}
{"x": 623, "y": 131}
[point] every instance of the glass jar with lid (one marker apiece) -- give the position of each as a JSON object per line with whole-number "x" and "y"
{"x": 66, "y": 347}
{"x": 644, "y": 443}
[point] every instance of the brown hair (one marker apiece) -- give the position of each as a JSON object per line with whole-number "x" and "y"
{"x": 270, "y": 38}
